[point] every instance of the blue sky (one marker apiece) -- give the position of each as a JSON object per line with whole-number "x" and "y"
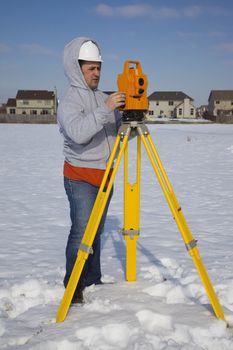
{"x": 182, "y": 45}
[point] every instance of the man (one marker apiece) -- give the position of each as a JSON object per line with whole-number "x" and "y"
{"x": 89, "y": 122}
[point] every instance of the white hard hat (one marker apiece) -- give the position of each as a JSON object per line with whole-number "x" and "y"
{"x": 89, "y": 52}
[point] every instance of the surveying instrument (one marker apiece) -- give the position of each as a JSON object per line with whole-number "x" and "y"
{"x": 134, "y": 84}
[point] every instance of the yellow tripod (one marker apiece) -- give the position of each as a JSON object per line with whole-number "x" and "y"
{"x": 131, "y": 215}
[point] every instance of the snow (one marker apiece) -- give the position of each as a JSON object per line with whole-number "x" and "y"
{"x": 167, "y": 307}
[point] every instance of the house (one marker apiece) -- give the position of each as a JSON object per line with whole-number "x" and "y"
{"x": 220, "y": 103}
{"x": 171, "y": 104}
{"x": 202, "y": 111}
{"x": 32, "y": 102}
{"x": 2, "y": 108}
{"x": 11, "y": 106}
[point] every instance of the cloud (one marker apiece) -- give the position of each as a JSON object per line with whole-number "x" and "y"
{"x": 123, "y": 11}
{"x": 193, "y": 35}
{"x": 4, "y": 48}
{"x": 189, "y": 35}
{"x": 227, "y": 47}
{"x": 229, "y": 63}
{"x": 192, "y": 11}
{"x": 112, "y": 57}
{"x": 215, "y": 34}
{"x": 36, "y": 49}
{"x": 144, "y": 10}
{"x": 132, "y": 11}
{"x": 165, "y": 12}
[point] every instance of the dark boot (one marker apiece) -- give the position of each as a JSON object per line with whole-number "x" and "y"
{"x": 78, "y": 295}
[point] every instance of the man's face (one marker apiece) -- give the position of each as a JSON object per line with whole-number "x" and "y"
{"x": 91, "y": 73}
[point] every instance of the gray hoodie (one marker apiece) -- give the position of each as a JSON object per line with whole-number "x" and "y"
{"x": 88, "y": 126}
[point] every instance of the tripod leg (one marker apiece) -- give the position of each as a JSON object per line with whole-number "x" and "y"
{"x": 186, "y": 234}
{"x": 131, "y": 214}
{"x": 90, "y": 232}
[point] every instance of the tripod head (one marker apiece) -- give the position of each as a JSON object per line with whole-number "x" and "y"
{"x": 134, "y": 83}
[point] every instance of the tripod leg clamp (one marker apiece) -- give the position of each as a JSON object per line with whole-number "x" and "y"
{"x": 85, "y": 248}
{"x": 131, "y": 233}
{"x": 192, "y": 244}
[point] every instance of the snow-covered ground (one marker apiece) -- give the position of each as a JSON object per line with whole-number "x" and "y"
{"x": 167, "y": 307}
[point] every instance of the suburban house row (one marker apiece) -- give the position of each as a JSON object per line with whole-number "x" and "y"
{"x": 33, "y": 102}
{"x": 162, "y": 104}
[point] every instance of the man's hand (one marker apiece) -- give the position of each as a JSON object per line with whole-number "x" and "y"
{"x": 115, "y": 100}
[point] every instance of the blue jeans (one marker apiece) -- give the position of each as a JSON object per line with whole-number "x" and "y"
{"x": 82, "y": 196}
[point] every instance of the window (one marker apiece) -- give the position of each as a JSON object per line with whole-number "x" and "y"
{"x": 232, "y": 103}
{"x": 12, "y": 111}
{"x": 151, "y": 112}
{"x": 157, "y": 103}
{"x": 192, "y": 111}
{"x": 170, "y": 103}
{"x": 44, "y": 111}
{"x": 25, "y": 102}
{"x": 33, "y": 111}
{"x": 180, "y": 111}
{"x": 217, "y": 102}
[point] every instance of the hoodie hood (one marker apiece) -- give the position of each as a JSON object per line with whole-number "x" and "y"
{"x": 71, "y": 64}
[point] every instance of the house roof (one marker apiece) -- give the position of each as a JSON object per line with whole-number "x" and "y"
{"x": 35, "y": 95}
{"x": 224, "y": 95}
{"x": 168, "y": 96}
{"x": 11, "y": 102}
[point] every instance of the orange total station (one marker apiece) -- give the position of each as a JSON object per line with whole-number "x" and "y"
{"x": 134, "y": 83}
